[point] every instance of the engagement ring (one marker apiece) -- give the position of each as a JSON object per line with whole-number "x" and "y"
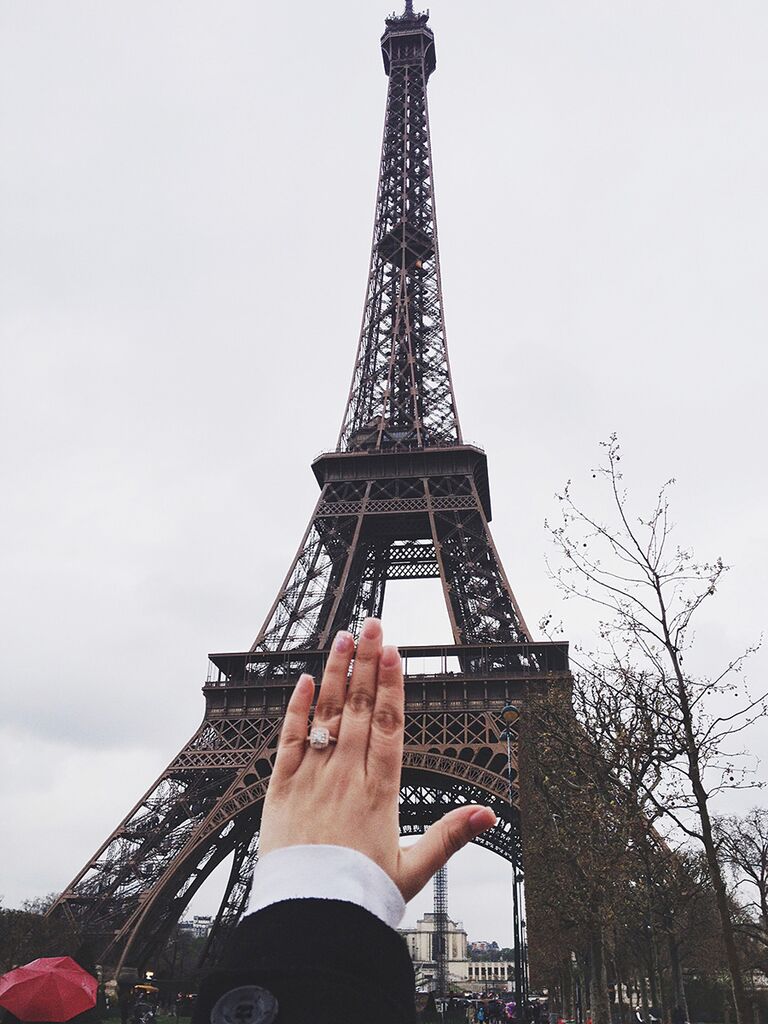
{"x": 320, "y": 737}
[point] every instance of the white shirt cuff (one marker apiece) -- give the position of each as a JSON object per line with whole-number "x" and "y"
{"x": 326, "y": 873}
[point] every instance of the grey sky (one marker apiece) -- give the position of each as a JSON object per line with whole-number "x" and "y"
{"x": 186, "y": 194}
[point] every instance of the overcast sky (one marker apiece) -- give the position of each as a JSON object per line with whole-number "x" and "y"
{"x": 186, "y": 196}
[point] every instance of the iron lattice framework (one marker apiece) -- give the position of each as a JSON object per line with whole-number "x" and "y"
{"x": 401, "y": 393}
{"x": 440, "y": 934}
{"x": 401, "y": 497}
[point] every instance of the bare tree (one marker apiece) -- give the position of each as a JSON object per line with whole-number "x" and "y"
{"x": 648, "y": 591}
{"x": 607, "y": 875}
{"x": 743, "y": 846}
{"x": 580, "y": 834}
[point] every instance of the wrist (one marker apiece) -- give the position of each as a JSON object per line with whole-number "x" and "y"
{"x": 326, "y": 872}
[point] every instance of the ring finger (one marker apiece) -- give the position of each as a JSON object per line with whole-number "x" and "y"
{"x": 333, "y": 689}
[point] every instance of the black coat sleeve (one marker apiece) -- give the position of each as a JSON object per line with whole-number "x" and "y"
{"x": 324, "y": 961}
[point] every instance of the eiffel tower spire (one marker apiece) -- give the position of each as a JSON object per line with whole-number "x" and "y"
{"x": 402, "y": 394}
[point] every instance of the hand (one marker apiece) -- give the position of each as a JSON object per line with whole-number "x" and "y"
{"x": 347, "y": 794}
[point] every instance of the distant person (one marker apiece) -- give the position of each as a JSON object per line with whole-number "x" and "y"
{"x": 124, "y": 1001}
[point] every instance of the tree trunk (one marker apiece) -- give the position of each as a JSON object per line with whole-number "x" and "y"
{"x": 658, "y": 980}
{"x": 601, "y": 1006}
{"x": 678, "y": 982}
{"x": 652, "y": 976}
{"x": 740, "y": 1003}
{"x": 619, "y": 979}
{"x": 566, "y": 981}
{"x": 644, "y": 1000}
{"x": 620, "y": 993}
{"x": 581, "y": 991}
{"x": 701, "y": 796}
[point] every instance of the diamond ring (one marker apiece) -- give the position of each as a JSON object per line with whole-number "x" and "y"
{"x": 320, "y": 738}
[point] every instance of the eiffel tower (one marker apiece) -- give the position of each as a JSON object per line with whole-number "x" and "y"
{"x": 402, "y": 497}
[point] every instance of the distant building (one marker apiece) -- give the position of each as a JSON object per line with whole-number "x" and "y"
{"x": 200, "y": 926}
{"x": 482, "y": 975}
{"x": 483, "y": 947}
{"x": 419, "y": 939}
{"x": 468, "y": 975}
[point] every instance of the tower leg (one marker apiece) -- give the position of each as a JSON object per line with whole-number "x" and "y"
{"x": 234, "y": 901}
{"x": 205, "y": 805}
{"x": 480, "y": 599}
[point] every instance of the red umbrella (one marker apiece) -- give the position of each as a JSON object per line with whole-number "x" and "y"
{"x": 52, "y": 988}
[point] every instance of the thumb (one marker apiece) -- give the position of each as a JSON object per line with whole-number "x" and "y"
{"x": 419, "y": 862}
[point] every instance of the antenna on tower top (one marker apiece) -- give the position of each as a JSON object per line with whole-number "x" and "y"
{"x": 409, "y": 9}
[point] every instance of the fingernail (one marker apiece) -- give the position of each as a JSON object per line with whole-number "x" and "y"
{"x": 371, "y": 629}
{"x": 482, "y": 819}
{"x": 305, "y": 679}
{"x": 390, "y": 656}
{"x": 343, "y": 641}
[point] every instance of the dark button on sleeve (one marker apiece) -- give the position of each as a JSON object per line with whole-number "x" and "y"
{"x": 248, "y": 1004}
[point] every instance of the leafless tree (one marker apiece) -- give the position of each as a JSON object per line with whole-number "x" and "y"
{"x": 581, "y": 834}
{"x": 743, "y": 846}
{"x": 648, "y": 591}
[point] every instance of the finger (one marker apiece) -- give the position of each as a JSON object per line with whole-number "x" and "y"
{"x": 385, "y": 744}
{"x": 333, "y": 689}
{"x": 418, "y": 863}
{"x": 293, "y": 736}
{"x": 361, "y": 695}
